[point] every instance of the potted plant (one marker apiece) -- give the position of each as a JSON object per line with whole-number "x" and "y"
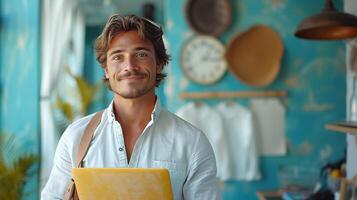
{"x": 14, "y": 169}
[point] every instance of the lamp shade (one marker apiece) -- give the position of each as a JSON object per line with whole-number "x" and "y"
{"x": 329, "y": 24}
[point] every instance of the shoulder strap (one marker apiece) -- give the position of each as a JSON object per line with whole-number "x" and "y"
{"x": 71, "y": 193}
{"x": 87, "y": 137}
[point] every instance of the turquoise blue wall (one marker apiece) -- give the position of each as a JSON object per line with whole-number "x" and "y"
{"x": 312, "y": 73}
{"x": 20, "y": 78}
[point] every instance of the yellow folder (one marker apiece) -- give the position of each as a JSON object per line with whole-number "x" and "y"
{"x": 122, "y": 183}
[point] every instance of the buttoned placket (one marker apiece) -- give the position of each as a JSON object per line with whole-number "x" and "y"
{"x": 121, "y": 151}
{"x": 123, "y": 159}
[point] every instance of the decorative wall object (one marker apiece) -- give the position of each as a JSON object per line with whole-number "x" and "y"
{"x": 202, "y": 59}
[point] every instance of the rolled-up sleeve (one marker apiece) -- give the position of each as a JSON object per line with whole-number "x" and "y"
{"x": 202, "y": 182}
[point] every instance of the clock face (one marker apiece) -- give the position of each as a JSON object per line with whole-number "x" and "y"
{"x": 202, "y": 60}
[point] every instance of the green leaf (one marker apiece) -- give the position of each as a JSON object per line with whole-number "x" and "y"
{"x": 66, "y": 108}
{"x": 13, "y": 175}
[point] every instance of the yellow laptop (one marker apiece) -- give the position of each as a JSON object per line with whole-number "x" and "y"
{"x": 122, "y": 183}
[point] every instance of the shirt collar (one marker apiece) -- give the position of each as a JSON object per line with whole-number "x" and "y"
{"x": 156, "y": 111}
{"x": 154, "y": 114}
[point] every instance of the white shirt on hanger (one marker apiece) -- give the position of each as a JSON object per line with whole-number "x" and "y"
{"x": 240, "y": 135}
{"x": 269, "y": 118}
{"x": 210, "y": 122}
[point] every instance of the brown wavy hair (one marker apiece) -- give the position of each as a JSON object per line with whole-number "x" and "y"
{"x": 147, "y": 30}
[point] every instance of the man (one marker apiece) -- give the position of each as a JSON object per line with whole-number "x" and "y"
{"x": 134, "y": 130}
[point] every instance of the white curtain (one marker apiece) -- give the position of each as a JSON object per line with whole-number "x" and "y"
{"x": 57, "y": 19}
{"x": 67, "y": 88}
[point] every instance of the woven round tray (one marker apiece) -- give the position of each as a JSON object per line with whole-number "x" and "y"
{"x": 254, "y": 55}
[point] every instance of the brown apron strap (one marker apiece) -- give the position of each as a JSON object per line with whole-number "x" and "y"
{"x": 87, "y": 137}
{"x": 71, "y": 193}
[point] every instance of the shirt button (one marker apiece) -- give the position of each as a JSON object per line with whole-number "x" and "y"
{"x": 121, "y": 149}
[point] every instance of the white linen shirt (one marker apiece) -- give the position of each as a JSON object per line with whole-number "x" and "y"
{"x": 240, "y": 135}
{"x": 167, "y": 141}
{"x": 210, "y": 122}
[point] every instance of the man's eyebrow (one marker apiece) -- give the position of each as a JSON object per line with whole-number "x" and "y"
{"x": 142, "y": 48}
{"x": 115, "y": 52}
{"x": 121, "y": 50}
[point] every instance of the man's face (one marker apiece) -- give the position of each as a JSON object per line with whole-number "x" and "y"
{"x": 131, "y": 65}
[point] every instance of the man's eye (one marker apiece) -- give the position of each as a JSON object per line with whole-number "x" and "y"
{"x": 141, "y": 54}
{"x": 116, "y": 58}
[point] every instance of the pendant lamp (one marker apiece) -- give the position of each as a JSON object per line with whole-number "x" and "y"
{"x": 329, "y": 24}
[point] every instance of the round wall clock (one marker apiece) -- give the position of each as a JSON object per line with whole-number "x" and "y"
{"x": 202, "y": 59}
{"x": 210, "y": 17}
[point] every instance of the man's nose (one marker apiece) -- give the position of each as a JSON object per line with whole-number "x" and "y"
{"x": 131, "y": 63}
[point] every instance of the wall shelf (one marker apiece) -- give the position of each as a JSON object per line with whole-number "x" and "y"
{"x": 345, "y": 127}
{"x": 227, "y": 95}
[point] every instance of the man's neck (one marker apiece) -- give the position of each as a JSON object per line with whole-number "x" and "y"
{"x": 136, "y": 112}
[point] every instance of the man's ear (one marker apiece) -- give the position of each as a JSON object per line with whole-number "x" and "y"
{"x": 106, "y": 73}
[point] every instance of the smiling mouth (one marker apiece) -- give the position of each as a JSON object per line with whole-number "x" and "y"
{"x": 131, "y": 76}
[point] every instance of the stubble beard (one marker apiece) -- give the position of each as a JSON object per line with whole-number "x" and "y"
{"x": 132, "y": 92}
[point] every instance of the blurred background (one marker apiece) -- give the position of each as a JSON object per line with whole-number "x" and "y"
{"x": 49, "y": 77}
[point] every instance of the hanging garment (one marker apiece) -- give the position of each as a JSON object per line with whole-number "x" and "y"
{"x": 210, "y": 122}
{"x": 240, "y": 135}
{"x": 269, "y": 120}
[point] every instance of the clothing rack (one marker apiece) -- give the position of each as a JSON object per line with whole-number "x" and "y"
{"x": 227, "y": 95}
